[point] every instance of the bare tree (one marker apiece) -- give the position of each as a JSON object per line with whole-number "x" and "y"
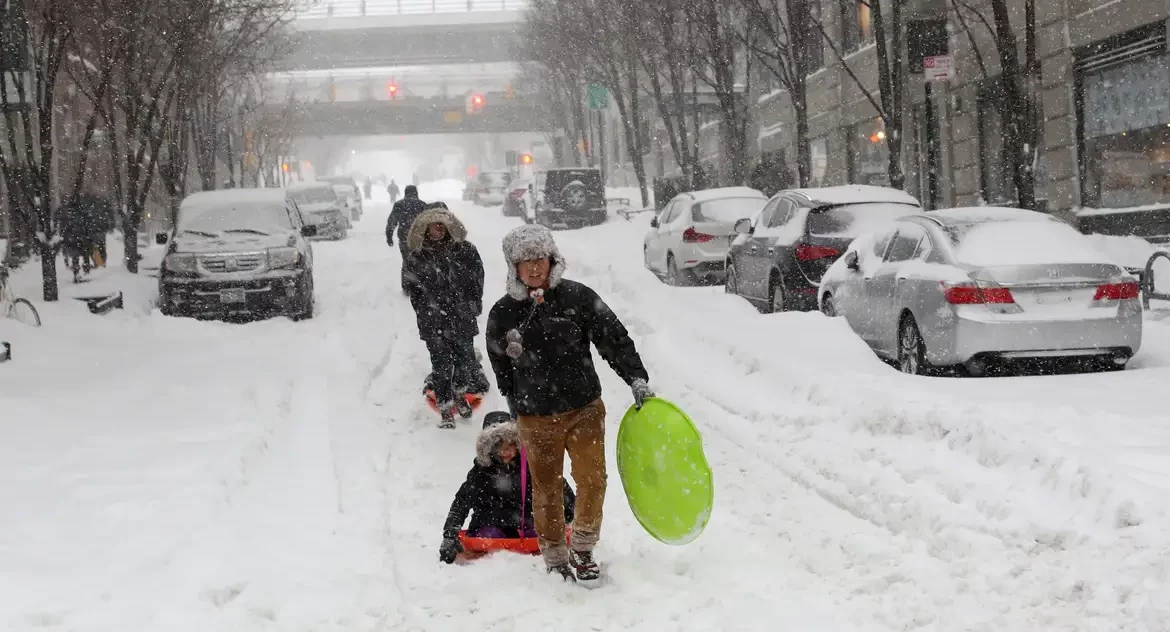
{"x": 667, "y": 55}
{"x": 1020, "y": 83}
{"x": 26, "y": 158}
{"x": 889, "y": 33}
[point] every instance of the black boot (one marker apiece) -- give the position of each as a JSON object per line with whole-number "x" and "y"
{"x": 587, "y": 569}
{"x": 447, "y": 415}
{"x": 565, "y": 571}
{"x": 462, "y": 407}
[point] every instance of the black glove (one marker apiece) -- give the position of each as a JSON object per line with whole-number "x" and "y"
{"x": 449, "y": 549}
{"x": 511, "y": 405}
{"x": 390, "y": 241}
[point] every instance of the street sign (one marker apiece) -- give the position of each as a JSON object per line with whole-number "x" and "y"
{"x": 598, "y": 97}
{"x": 938, "y": 68}
{"x": 924, "y": 39}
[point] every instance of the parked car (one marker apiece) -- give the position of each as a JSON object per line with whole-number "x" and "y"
{"x": 491, "y": 187}
{"x": 519, "y": 199}
{"x": 688, "y": 241}
{"x": 572, "y": 197}
{"x": 321, "y": 207}
{"x": 971, "y": 287}
{"x": 240, "y": 251}
{"x": 778, "y": 258}
{"x": 347, "y": 189}
{"x": 469, "y": 191}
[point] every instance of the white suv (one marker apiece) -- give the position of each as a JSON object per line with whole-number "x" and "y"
{"x": 688, "y": 240}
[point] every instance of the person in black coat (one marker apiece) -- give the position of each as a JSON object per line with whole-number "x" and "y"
{"x": 443, "y": 276}
{"x": 539, "y": 340}
{"x": 491, "y": 492}
{"x": 402, "y": 217}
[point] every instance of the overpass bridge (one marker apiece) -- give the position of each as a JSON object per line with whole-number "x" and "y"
{"x": 435, "y": 115}
{"x": 339, "y": 34}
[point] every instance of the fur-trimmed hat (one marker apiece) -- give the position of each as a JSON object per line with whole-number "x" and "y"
{"x": 525, "y": 243}
{"x": 418, "y": 230}
{"x": 498, "y": 428}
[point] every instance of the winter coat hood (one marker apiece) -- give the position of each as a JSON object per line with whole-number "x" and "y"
{"x": 411, "y": 191}
{"x": 525, "y": 243}
{"x": 490, "y": 439}
{"x": 418, "y": 230}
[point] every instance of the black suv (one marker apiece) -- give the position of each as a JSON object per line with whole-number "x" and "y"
{"x": 572, "y": 197}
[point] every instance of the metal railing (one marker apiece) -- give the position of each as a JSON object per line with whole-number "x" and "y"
{"x": 1148, "y": 291}
{"x": 313, "y": 9}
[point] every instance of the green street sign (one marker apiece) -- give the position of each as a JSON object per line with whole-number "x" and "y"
{"x": 598, "y": 97}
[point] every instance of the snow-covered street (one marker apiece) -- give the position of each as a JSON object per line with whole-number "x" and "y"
{"x": 169, "y": 474}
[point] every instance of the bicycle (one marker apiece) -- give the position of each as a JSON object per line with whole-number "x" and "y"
{"x": 18, "y": 309}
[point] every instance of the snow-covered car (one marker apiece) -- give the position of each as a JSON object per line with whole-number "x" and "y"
{"x": 778, "y": 258}
{"x": 975, "y": 286}
{"x": 491, "y": 188}
{"x": 321, "y": 207}
{"x": 572, "y": 197}
{"x": 347, "y": 189}
{"x": 519, "y": 199}
{"x": 242, "y": 251}
{"x": 688, "y": 240}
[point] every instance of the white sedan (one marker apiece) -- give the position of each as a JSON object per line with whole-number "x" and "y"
{"x": 688, "y": 240}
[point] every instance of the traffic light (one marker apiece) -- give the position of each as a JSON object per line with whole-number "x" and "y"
{"x": 392, "y": 89}
{"x": 284, "y": 167}
{"x": 475, "y": 103}
{"x": 526, "y": 159}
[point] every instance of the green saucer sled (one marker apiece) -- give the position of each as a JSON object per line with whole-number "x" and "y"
{"x": 664, "y": 472}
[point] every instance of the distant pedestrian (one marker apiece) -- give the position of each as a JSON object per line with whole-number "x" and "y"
{"x": 393, "y": 191}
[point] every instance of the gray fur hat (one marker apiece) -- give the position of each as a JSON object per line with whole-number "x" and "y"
{"x": 525, "y": 243}
{"x": 418, "y": 230}
{"x": 490, "y": 439}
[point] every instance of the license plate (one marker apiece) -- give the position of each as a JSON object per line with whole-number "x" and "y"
{"x": 232, "y": 295}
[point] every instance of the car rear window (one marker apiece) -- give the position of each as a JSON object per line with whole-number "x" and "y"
{"x": 853, "y": 220}
{"x": 1005, "y": 243}
{"x": 313, "y": 196}
{"x": 557, "y": 180}
{"x": 726, "y": 210}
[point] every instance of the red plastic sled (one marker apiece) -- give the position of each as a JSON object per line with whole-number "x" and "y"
{"x": 483, "y": 546}
{"x": 474, "y": 399}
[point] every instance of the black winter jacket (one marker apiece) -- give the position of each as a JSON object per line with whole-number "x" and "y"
{"x": 402, "y": 217}
{"x": 555, "y": 374}
{"x": 492, "y": 496}
{"x": 444, "y": 280}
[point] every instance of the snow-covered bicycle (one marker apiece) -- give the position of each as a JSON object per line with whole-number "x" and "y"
{"x": 16, "y": 308}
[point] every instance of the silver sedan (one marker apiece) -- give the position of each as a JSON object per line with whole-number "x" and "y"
{"x": 969, "y": 287}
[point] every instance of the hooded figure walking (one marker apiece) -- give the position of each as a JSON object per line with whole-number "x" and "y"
{"x": 538, "y": 341}
{"x": 443, "y": 276}
{"x": 401, "y": 219}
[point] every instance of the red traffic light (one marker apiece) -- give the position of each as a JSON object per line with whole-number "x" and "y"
{"x": 477, "y": 100}
{"x": 392, "y": 88}
{"x": 526, "y": 159}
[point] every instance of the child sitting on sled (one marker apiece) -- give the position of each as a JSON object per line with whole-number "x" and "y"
{"x": 500, "y": 506}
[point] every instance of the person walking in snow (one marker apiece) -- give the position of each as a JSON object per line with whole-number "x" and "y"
{"x": 443, "y": 276}
{"x": 538, "y": 341}
{"x": 492, "y": 492}
{"x": 393, "y": 191}
{"x": 401, "y": 218}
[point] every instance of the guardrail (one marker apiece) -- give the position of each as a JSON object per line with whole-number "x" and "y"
{"x": 1147, "y": 280}
{"x": 363, "y": 8}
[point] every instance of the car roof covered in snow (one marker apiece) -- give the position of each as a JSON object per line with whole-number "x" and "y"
{"x": 234, "y": 196}
{"x": 855, "y": 194}
{"x": 976, "y": 214}
{"x": 311, "y": 184}
{"x": 724, "y": 193}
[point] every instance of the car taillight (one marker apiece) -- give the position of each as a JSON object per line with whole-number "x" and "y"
{"x": 805, "y": 252}
{"x": 517, "y": 194}
{"x": 691, "y": 236}
{"x": 971, "y": 294}
{"x": 1116, "y": 291}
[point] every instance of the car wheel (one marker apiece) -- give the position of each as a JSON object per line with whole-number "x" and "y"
{"x": 731, "y": 283}
{"x": 777, "y": 297}
{"x": 646, "y": 257}
{"x": 911, "y": 349}
{"x": 675, "y": 276}
{"x": 308, "y": 301}
{"x": 827, "y": 307}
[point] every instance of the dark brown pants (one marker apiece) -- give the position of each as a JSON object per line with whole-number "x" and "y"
{"x": 581, "y": 433}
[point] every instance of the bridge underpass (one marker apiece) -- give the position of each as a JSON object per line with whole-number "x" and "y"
{"x": 406, "y": 32}
{"x": 421, "y": 116}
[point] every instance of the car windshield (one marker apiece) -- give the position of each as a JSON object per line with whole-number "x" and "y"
{"x": 727, "y": 210}
{"x": 313, "y": 196}
{"x": 852, "y": 220}
{"x": 234, "y": 216}
{"x": 495, "y": 178}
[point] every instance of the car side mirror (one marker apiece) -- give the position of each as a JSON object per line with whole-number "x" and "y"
{"x": 743, "y": 226}
{"x": 653, "y": 222}
{"x": 308, "y": 230}
{"x": 160, "y": 239}
{"x": 851, "y": 261}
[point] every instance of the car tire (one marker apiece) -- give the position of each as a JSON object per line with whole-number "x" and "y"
{"x": 731, "y": 281}
{"x": 646, "y": 257}
{"x": 307, "y": 299}
{"x": 911, "y": 348}
{"x": 674, "y": 275}
{"x": 777, "y": 296}
{"x": 827, "y": 307}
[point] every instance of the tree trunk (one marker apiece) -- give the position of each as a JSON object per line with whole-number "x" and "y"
{"x": 803, "y": 153}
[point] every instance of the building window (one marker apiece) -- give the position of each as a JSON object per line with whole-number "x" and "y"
{"x": 818, "y": 149}
{"x": 869, "y": 158}
{"x": 1123, "y": 110}
{"x": 856, "y": 24}
{"x": 996, "y": 180}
